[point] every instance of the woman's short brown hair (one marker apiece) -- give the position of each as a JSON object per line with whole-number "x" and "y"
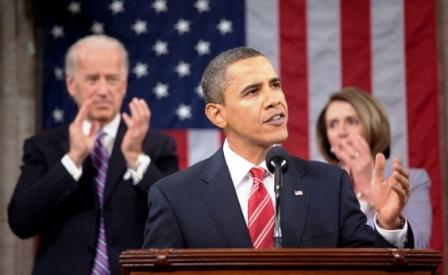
{"x": 372, "y": 116}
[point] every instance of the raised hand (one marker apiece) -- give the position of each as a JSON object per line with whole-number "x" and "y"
{"x": 81, "y": 144}
{"x": 355, "y": 156}
{"x": 389, "y": 196}
{"x": 138, "y": 126}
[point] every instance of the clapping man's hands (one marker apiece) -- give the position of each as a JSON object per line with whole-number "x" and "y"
{"x": 138, "y": 126}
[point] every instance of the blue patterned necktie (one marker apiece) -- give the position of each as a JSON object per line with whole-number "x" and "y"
{"x": 100, "y": 160}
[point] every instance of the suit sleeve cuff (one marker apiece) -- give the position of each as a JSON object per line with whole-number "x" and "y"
{"x": 397, "y": 237}
{"x": 137, "y": 172}
{"x": 72, "y": 169}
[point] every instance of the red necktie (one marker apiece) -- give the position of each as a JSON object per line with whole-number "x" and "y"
{"x": 260, "y": 212}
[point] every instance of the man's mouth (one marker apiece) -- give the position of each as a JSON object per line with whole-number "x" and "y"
{"x": 276, "y": 118}
{"x": 101, "y": 104}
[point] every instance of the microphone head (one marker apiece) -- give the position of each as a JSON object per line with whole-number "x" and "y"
{"x": 277, "y": 156}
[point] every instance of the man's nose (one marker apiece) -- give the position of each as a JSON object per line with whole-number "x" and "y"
{"x": 272, "y": 98}
{"x": 102, "y": 87}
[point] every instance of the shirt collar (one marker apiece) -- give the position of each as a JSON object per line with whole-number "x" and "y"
{"x": 238, "y": 166}
{"x": 110, "y": 128}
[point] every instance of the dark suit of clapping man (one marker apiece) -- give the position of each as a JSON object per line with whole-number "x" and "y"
{"x": 206, "y": 205}
{"x": 57, "y": 195}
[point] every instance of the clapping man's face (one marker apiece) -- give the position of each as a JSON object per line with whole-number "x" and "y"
{"x": 100, "y": 76}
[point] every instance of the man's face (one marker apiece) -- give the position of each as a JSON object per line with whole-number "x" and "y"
{"x": 99, "y": 76}
{"x": 255, "y": 110}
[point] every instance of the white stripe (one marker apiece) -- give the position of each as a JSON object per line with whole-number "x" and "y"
{"x": 252, "y": 191}
{"x": 100, "y": 166}
{"x": 262, "y": 28}
{"x": 388, "y": 62}
{"x": 101, "y": 253}
{"x": 99, "y": 264}
{"x": 102, "y": 174}
{"x": 324, "y": 60}
{"x": 264, "y": 232}
{"x": 100, "y": 186}
{"x": 202, "y": 143}
{"x": 102, "y": 242}
{"x": 261, "y": 206}
{"x": 100, "y": 155}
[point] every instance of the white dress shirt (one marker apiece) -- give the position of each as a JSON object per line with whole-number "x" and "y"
{"x": 111, "y": 129}
{"x": 242, "y": 180}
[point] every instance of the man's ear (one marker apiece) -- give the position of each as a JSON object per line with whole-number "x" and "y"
{"x": 69, "y": 83}
{"x": 216, "y": 114}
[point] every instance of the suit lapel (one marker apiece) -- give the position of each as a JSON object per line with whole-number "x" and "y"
{"x": 294, "y": 200}
{"x": 221, "y": 200}
{"x": 117, "y": 164}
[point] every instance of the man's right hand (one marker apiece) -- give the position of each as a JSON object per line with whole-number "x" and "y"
{"x": 389, "y": 196}
{"x": 81, "y": 144}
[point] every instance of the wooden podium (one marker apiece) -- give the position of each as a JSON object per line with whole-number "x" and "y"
{"x": 279, "y": 261}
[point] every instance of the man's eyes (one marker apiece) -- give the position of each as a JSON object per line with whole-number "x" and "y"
{"x": 109, "y": 80}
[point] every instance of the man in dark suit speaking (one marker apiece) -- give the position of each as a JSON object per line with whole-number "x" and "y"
{"x": 227, "y": 200}
{"x": 83, "y": 188}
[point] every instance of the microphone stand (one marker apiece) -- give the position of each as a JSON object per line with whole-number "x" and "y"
{"x": 277, "y": 188}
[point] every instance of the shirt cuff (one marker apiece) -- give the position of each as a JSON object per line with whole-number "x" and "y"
{"x": 397, "y": 237}
{"x": 71, "y": 167}
{"x": 139, "y": 169}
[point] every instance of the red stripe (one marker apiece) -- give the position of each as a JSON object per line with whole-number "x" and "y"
{"x": 293, "y": 71}
{"x": 356, "y": 44}
{"x": 181, "y": 146}
{"x": 422, "y": 95}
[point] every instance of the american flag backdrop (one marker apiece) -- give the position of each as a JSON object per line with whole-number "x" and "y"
{"x": 387, "y": 47}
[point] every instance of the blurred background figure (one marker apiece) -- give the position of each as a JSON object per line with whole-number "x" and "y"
{"x": 351, "y": 129}
{"x": 83, "y": 187}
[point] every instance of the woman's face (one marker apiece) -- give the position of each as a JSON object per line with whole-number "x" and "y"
{"x": 342, "y": 121}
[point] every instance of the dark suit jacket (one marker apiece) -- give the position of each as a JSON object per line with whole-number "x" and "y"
{"x": 199, "y": 208}
{"x": 65, "y": 214}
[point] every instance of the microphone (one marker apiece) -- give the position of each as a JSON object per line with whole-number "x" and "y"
{"x": 277, "y": 163}
{"x": 277, "y": 157}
